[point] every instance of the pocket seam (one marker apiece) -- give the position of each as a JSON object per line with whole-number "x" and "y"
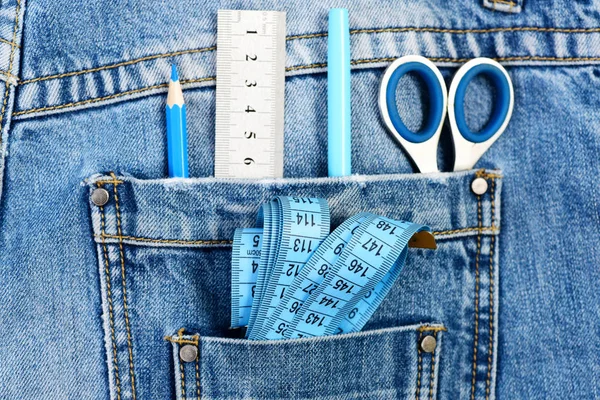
{"x": 110, "y": 307}
{"x": 493, "y": 229}
{"x": 124, "y": 286}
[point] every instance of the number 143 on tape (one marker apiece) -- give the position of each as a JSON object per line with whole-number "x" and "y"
{"x": 250, "y": 94}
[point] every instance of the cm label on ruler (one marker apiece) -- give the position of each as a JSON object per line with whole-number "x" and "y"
{"x": 250, "y": 94}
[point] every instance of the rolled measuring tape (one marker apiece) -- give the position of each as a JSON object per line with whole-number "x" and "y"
{"x": 309, "y": 279}
{"x": 293, "y": 228}
{"x": 333, "y": 288}
{"x": 347, "y": 297}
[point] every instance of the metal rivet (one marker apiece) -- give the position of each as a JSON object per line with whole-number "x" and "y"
{"x": 479, "y": 186}
{"x": 100, "y": 196}
{"x": 188, "y": 353}
{"x": 428, "y": 344}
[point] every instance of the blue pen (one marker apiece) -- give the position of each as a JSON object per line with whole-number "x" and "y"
{"x": 338, "y": 94}
{"x": 176, "y": 129}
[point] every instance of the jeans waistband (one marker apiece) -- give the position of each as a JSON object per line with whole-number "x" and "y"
{"x": 101, "y": 52}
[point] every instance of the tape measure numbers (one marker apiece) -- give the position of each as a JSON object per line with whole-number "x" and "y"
{"x": 250, "y": 91}
{"x": 310, "y": 278}
{"x": 247, "y": 244}
{"x": 293, "y": 228}
{"x": 309, "y": 283}
{"x": 378, "y": 244}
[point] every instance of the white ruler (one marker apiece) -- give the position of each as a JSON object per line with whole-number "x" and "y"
{"x": 250, "y": 94}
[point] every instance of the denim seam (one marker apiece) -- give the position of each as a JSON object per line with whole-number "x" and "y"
{"x": 196, "y": 342}
{"x": 124, "y": 284}
{"x": 120, "y": 64}
{"x": 398, "y": 329}
{"x": 491, "y": 306}
{"x": 419, "y": 366}
{"x": 196, "y": 339}
{"x": 111, "y": 182}
{"x": 182, "y": 375}
{"x": 432, "y": 375}
{"x": 112, "y": 96}
{"x": 9, "y": 75}
{"x": 110, "y": 307}
{"x": 10, "y": 67}
{"x": 217, "y": 242}
{"x": 508, "y": 3}
{"x": 294, "y": 68}
{"x": 476, "y": 333}
{"x": 312, "y": 36}
{"x": 12, "y": 44}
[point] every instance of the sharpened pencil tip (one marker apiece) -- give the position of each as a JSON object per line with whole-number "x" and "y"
{"x": 174, "y": 76}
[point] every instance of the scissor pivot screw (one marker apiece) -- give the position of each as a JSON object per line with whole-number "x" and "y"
{"x": 479, "y": 186}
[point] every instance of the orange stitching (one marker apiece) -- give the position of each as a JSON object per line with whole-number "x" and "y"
{"x": 124, "y": 283}
{"x": 9, "y": 75}
{"x": 179, "y": 341}
{"x": 490, "y": 346}
{"x": 10, "y": 66}
{"x": 308, "y": 36}
{"x": 432, "y": 375}
{"x": 481, "y": 230}
{"x": 432, "y": 329}
{"x": 11, "y": 44}
{"x": 483, "y": 174}
{"x": 110, "y": 308}
{"x": 509, "y": 3}
{"x": 196, "y": 339}
{"x": 228, "y": 242}
{"x": 114, "y": 182}
{"x": 178, "y": 241}
{"x": 294, "y": 68}
{"x": 121, "y": 64}
{"x": 419, "y": 368}
{"x": 112, "y": 96}
{"x": 182, "y": 378}
{"x": 317, "y": 35}
{"x": 476, "y": 334}
{"x": 486, "y": 30}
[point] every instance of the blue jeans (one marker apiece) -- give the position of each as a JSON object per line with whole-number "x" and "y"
{"x": 96, "y": 302}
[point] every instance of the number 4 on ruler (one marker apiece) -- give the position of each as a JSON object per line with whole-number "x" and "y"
{"x": 250, "y": 88}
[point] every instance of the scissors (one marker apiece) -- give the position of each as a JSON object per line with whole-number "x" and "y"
{"x": 469, "y": 146}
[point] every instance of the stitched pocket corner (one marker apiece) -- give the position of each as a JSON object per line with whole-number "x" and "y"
{"x": 383, "y": 363}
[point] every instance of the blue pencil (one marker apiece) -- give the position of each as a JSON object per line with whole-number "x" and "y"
{"x": 177, "y": 151}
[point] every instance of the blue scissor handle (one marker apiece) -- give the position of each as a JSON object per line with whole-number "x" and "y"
{"x": 501, "y": 109}
{"x": 436, "y": 101}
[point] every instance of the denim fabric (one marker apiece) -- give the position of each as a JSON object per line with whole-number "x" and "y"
{"x": 93, "y": 300}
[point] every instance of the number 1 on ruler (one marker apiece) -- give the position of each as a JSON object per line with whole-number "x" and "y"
{"x": 250, "y": 89}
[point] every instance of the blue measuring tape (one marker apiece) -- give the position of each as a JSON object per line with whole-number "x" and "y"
{"x": 293, "y": 228}
{"x": 247, "y": 245}
{"x": 308, "y": 283}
